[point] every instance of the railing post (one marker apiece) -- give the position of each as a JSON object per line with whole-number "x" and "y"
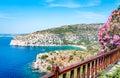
{"x": 117, "y": 55}
{"x": 88, "y": 70}
{"x": 78, "y": 72}
{"x": 95, "y": 68}
{"x": 56, "y": 70}
{"x": 99, "y": 64}
{"x": 64, "y": 75}
{"x": 72, "y": 74}
{"x": 92, "y": 69}
{"x": 105, "y": 62}
{"x": 102, "y": 62}
{"x": 110, "y": 58}
{"x": 118, "y": 52}
{"x": 83, "y": 72}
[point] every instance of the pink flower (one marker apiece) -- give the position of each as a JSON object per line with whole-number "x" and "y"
{"x": 108, "y": 34}
{"x": 105, "y": 44}
{"x": 116, "y": 37}
{"x": 115, "y": 20}
{"x": 118, "y": 43}
{"x": 111, "y": 42}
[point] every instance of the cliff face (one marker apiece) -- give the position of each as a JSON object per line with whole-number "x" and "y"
{"x": 65, "y": 35}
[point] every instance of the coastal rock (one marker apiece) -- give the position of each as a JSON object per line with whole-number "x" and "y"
{"x": 63, "y": 58}
{"x": 18, "y": 42}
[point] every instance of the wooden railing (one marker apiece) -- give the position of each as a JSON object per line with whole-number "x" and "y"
{"x": 87, "y": 68}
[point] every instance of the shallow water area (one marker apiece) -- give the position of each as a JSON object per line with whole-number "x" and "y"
{"x": 15, "y": 62}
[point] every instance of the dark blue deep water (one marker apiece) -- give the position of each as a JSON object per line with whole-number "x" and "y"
{"x": 15, "y": 62}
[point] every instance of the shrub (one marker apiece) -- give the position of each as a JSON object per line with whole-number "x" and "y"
{"x": 57, "y": 53}
{"x": 49, "y": 68}
{"x": 50, "y": 53}
{"x": 101, "y": 74}
{"x": 70, "y": 57}
{"x": 60, "y": 64}
{"x": 82, "y": 59}
{"x": 81, "y": 56}
{"x": 44, "y": 56}
{"x": 104, "y": 74}
{"x": 74, "y": 53}
{"x": 109, "y": 33}
{"x": 51, "y": 61}
{"x": 116, "y": 74}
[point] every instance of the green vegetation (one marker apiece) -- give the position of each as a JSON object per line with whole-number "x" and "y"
{"x": 116, "y": 74}
{"x": 86, "y": 33}
{"x": 50, "y": 53}
{"x": 70, "y": 57}
{"x": 103, "y": 74}
{"x": 44, "y": 56}
{"x": 49, "y": 68}
{"x": 82, "y": 58}
{"x": 51, "y": 61}
{"x": 78, "y": 34}
{"x": 74, "y": 53}
{"x": 93, "y": 47}
{"x": 66, "y": 42}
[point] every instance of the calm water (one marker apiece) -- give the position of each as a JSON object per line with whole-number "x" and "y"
{"x": 15, "y": 62}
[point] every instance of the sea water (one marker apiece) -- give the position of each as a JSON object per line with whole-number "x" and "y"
{"x": 15, "y": 62}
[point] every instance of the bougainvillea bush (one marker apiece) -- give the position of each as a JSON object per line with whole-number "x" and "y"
{"x": 109, "y": 33}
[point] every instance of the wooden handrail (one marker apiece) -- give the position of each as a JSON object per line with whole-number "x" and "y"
{"x": 89, "y": 67}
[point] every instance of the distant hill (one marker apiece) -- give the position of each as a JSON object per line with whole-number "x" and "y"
{"x": 65, "y": 35}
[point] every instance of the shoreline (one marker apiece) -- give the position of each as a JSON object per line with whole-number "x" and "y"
{"x": 78, "y": 46}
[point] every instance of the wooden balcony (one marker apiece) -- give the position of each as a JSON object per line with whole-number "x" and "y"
{"x": 86, "y": 69}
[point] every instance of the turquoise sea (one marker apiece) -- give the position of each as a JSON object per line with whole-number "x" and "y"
{"x": 15, "y": 62}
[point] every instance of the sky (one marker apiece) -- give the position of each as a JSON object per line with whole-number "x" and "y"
{"x": 27, "y": 16}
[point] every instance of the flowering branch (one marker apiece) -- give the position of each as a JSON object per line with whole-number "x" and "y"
{"x": 109, "y": 33}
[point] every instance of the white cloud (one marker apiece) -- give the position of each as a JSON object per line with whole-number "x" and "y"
{"x": 49, "y": 0}
{"x": 91, "y": 15}
{"x": 68, "y": 5}
{"x": 72, "y": 3}
{"x": 93, "y": 3}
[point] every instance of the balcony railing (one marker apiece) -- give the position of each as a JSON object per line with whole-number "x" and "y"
{"x": 88, "y": 68}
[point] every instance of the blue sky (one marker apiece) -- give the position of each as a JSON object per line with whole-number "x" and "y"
{"x": 26, "y": 16}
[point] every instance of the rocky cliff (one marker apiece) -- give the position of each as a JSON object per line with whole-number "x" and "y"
{"x": 65, "y": 35}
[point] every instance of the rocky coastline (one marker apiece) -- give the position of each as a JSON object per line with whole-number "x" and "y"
{"x": 78, "y": 34}
{"x": 43, "y": 62}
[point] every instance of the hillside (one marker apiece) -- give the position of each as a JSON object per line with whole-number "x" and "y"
{"x": 65, "y": 35}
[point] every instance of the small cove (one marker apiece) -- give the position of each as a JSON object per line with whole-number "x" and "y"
{"x": 16, "y": 61}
